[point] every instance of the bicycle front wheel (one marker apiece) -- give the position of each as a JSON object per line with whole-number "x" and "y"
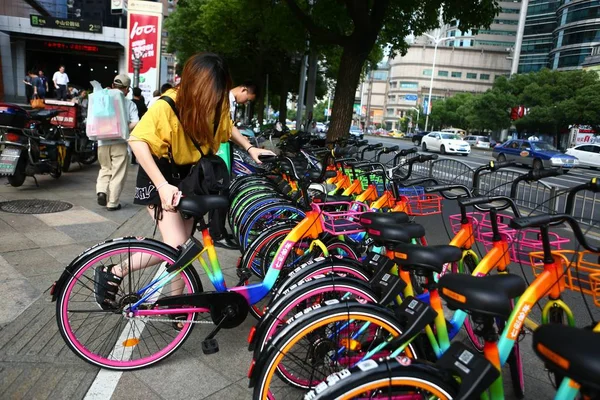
{"x": 111, "y": 338}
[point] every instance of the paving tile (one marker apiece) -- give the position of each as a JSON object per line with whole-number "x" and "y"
{"x": 131, "y": 388}
{"x": 236, "y": 391}
{"x": 33, "y": 262}
{"x": 171, "y": 381}
{"x": 76, "y": 215}
{"x": 88, "y": 232}
{"x": 49, "y": 237}
{"x": 13, "y": 241}
{"x": 23, "y": 223}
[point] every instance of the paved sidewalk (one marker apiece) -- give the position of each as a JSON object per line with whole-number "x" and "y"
{"x": 34, "y": 249}
{"x": 34, "y": 361}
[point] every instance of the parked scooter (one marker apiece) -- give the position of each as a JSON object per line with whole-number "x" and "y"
{"x": 29, "y": 144}
{"x": 79, "y": 148}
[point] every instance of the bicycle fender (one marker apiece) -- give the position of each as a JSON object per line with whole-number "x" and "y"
{"x": 91, "y": 252}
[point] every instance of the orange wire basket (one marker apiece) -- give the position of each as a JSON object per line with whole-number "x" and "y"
{"x": 422, "y": 205}
{"x": 581, "y": 270}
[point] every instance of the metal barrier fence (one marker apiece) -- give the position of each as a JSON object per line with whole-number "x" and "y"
{"x": 448, "y": 171}
{"x": 534, "y": 198}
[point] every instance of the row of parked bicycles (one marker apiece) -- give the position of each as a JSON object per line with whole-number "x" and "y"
{"x": 346, "y": 289}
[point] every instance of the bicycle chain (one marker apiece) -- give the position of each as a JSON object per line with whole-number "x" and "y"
{"x": 183, "y": 321}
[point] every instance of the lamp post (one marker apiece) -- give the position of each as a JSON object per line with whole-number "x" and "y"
{"x": 416, "y": 126}
{"x": 436, "y": 41}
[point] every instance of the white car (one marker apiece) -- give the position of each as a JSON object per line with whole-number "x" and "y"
{"x": 482, "y": 142}
{"x": 445, "y": 143}
{"x": 588, "y": 154}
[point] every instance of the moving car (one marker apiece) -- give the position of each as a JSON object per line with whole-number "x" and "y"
{"x": 587, "y": 154}
{"x": 356, "y": 132}
{"x": 482, "y": 142}
{"x": 537, "y": 154}
{"x": 418, "y": 136}
{"x": 445, "y": 143}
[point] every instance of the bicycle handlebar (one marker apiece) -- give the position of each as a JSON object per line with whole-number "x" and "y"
{"x": 404, "y": 153}
{"x": 540, "y": 221}
{"x": 491, "y": 166}
{"x": 442, "y": 189}
{"x": 478, "y": 201}
{"x": 533, "y": 175}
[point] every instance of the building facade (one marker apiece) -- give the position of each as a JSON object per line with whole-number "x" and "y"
{"x": 559, "y": 34}
{"x": 576, "y": 34}
{"x": 31, "y": 38}
{"x": 501, "y": 33}
{"x": 404, "y": 83}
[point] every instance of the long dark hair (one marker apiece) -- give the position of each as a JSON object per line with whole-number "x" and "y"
{"x": 202, "y": 96}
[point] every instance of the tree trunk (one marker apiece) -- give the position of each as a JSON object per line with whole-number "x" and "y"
{"x": 353, "y": 58}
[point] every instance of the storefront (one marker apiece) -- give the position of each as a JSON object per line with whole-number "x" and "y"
{"x": 87, "y": 55}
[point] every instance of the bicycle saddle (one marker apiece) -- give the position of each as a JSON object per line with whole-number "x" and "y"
{"x": 573, "y": 351}
{"x": 197, "y": 206}
{"x": 396, "y": 233}
{"x": 381, "y": 218}
{"x": 430, "y": 258}
{"x": 487, "y": 295}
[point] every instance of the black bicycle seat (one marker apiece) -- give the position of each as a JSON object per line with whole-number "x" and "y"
{"x": 572, "y": 351}
{"x": 390, "y": 235}
{"x": 430, "y": 258}
{"x": 383, "y": 218}
{"x": 197, "y": 206}
{"x": 487, "y": 295}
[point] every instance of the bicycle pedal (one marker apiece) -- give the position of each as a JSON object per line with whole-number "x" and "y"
{"x": 243, "y": 273}
{"x": 210, "y": 346}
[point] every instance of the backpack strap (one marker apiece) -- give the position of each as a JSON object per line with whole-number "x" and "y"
{"x": 176, "y": 111}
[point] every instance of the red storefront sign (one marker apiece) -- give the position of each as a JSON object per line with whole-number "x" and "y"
{"x": 143, "y": 41}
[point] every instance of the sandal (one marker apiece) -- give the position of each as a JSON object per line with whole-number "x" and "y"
{"x": 177, "y": 318}
{"x": 106, "y": 287}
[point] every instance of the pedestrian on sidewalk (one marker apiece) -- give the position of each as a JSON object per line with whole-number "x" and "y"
{"x": 241, "y": 95}
{"x": 28, "y": 81}
{"x": 42, "y": 84}
{"x": 113, "y": 155}
{"x": 157, "y": 93}
{"x": 61, "y": 80}
{"x": 138, "y": 99}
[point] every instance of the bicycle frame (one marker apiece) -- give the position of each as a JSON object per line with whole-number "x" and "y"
{"x": 549, "y": 283}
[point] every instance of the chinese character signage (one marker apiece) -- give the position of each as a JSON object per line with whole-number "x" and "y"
{"x": 72, "y": 47}
{"x": 62, "y": 23}
{"x": 144, "y": 22}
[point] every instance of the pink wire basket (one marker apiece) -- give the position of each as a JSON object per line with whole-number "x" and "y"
{"x": 481, "y": 223}
{"x": 341, "y": 217}
{"x": 523, "y": 242}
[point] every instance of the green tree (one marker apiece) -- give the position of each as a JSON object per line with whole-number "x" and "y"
{"x": 357, "y": 26}
{"x": 452, "y": 111}
{"x": 256, "y": 37}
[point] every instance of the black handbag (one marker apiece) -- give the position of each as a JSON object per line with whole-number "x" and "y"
{"x": 209, "y": 175}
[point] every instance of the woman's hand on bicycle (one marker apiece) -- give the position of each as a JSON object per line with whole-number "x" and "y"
{"x": 254, "y": 152}
{"x": 167, "y": 194}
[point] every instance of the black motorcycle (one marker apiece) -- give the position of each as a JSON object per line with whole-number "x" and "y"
{"x": 79, "y": 148}
{"x": 29, "y": 144}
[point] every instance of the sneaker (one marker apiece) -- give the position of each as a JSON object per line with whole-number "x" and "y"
{"x": 102, "y": 199}
{"x": 118, "y": 207}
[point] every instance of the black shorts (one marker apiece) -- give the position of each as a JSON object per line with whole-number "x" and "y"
{"x": 145, "y": 191}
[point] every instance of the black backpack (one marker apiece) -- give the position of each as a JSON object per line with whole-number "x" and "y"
{"x": 209, "y": 176}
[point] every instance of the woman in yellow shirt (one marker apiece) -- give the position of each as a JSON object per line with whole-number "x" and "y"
{"x": 163, "y": 146}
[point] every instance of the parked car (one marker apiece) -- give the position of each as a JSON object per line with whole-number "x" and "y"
{"x": 587, "y": 154}
{"x": 445, "y": 143}
{"x": 418, "y": 136}
{"x": 356, "y": 132}
{"x": 321, "y": 127}
{"x": 536, "y": 154}
{"x": 482, "y": 142}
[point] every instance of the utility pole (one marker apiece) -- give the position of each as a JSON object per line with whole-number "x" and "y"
{"x": 301, "y": 91}
{"x": 328, "y": 105}
{"x": 519, "y": 40}
{"x": 267, "y": 99}
{"x": 137, "y": 66}
{"x": 369, "y": 91}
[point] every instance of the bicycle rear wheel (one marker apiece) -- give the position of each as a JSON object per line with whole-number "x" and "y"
{"x": 110, "y": 338}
